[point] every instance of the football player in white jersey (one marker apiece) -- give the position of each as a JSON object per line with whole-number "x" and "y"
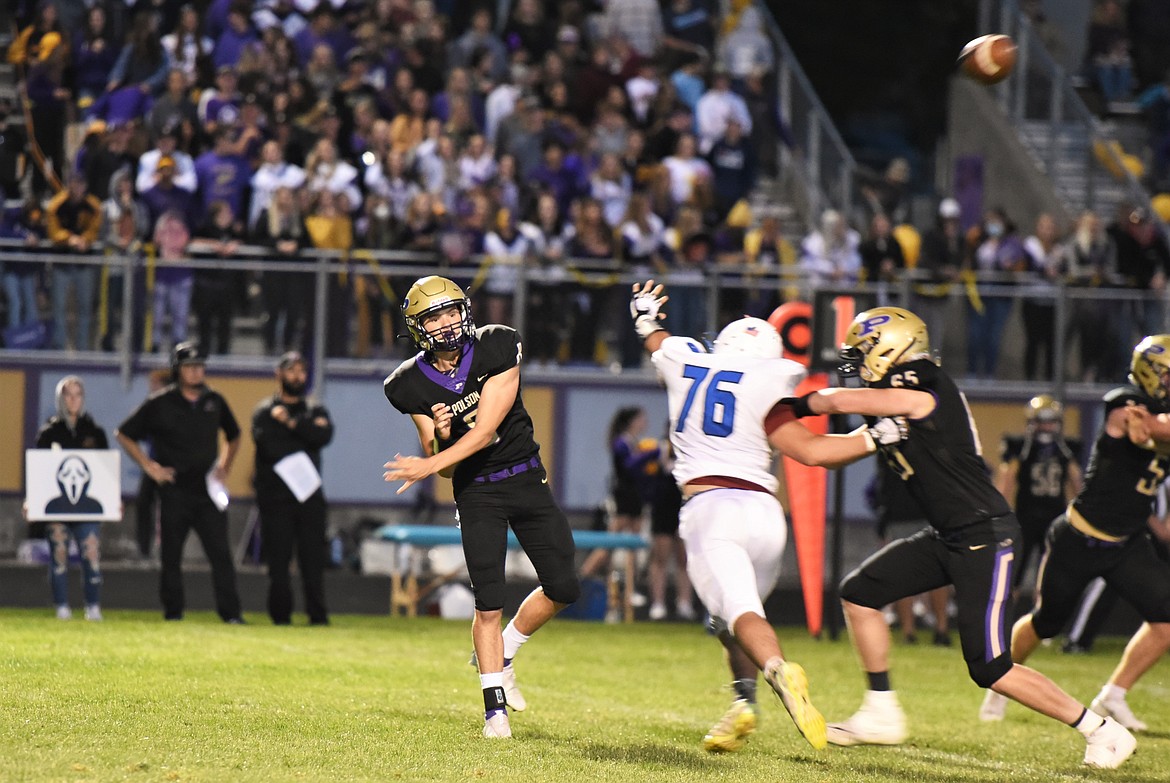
{"x": 725, "y": 422}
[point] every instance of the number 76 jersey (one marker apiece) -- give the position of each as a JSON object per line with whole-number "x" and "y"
{"x": 718, "y": 403}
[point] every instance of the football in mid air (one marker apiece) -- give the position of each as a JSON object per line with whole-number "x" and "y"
{"x": 988, "y": 59}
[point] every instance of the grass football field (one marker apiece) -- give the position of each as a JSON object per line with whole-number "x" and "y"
{"x": 390, "y": 699}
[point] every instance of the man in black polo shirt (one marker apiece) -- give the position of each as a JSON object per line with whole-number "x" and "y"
{"x": 183, "y": 421}
{"x": 290, "y": 431}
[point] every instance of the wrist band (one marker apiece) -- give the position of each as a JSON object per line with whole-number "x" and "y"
{"x": 801, "y": 406}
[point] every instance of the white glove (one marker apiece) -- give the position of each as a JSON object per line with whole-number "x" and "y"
{"x": 888, "y": 430}
{"x": 644, "y": 309}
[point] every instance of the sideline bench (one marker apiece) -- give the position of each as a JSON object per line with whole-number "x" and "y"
{"x": 413, "y": 541}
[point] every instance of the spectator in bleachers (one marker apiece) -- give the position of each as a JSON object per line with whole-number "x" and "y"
{"x": 189, "y": 51}
{"x": 889, "y": 193}
{"x": 733, "y": 168}
{"x": 505, "y": 189}
{"x": 529, "y": 30}
{"x": 997, "y": 253}
{"x": 610, "y": 133}
{"x": 22, "y": 279}
{"x": 1093, "y": 264}
{"x": 274, "y": 172}
{"x": 611, "y": 186}
{"x": 73, "y": 223}
{"x": 13, "y": 155}
{"x": 174, "y": 109}
{"x": 690, "y": 175}
{"x": 166, "y": 196}
{"x": 942, "y": 254}
{"x": 688, "y": 83}
{"x": 559, "y": 173}
{"x": 174, "y": 282}
{"x": 830, "y": 254}
{"x": 125, "y": 224}
{"x": 94, "y": 54}
{"x": 408, "y": 129}
{"x": 638, "y": 22}
{"x": 393, "y": 181}
{"x": 420, "y": 230}
{"x": 286, "y": 294}
{"x": 642, "y": 90}
{"x": 143, "y": 62}
{"x": 220, "y": 106}
{"x": 764, "y": 250}
{"x": 507, "y": 250}
{"x": 717, "y": 106}
{"x": 102, "y": 152}
{"x": 330, "y": 228}
{"x": 321, "y": 71}
{"x": 48, "y": 96}
{"x": 34, "y": 43}
{"x": 745, "y": 49}
{"x": 223, "y": 175}
{"x": 477, "y": 164}
{"x": 1143, "y": 261}
{"x": 688, "y": 27}
{"x": 237, "y": 35}
{"x": 167, "y": 146}
{"x": 1047, "y": 263}
{"x": 882, "y": 259}
{"x": 549, "y": 234}
{"x": 1107, "y": 53}
{"x": 217, "y": 291}
{"x": 479, "y": 39}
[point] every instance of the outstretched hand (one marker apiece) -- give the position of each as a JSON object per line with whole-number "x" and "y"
{"x": 646, "y": 307}
{"x": 408, "y": 470}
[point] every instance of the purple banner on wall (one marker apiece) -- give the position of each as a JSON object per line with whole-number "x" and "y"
{"x": 969, "y": 188}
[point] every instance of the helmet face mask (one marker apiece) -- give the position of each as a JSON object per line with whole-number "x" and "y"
{"x": 751, "y": 337}
{"x": 878, "y": 339}
{"x": 428, "y": 297}
{"x": 1150, "y": 367}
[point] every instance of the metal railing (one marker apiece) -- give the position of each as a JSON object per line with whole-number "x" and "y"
{"x": 820, "y": 159}
{"x": 717, "y": 292}
{"x": 1040, "y": 91}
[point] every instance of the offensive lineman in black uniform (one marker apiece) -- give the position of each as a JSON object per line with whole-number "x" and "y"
{"x": 1105, "y": 532}
{"x": 463, "y": 392}
{"x": 971, "y": 543}
{"x": 1039, "y": 470}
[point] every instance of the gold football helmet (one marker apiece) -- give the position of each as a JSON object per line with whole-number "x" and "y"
{"x": 1044, "y": 407}
{"x": 880, "y": 338}
{"x": 1150, "y": 368}
{"x": 429, "y": 295}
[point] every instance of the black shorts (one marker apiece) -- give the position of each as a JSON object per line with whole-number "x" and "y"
{"x": 977, "y": 560}
{"x": 665, "y": 509}
{"x": 628, "y": 501}
{"x": 1072, "y": 560}
{"x": 524, "y": 502}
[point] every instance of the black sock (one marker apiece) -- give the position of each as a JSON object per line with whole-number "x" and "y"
{"x": 493, "y": 700}
{"x": 878, "y": 681}
{"x": 745, "y": 689}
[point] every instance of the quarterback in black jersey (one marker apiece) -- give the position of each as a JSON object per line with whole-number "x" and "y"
{"x": 463, "y": 392}
{"x": 1105, "y": 532}
{"x": 1039, "y": 472}
{"x": 972, "y": 540}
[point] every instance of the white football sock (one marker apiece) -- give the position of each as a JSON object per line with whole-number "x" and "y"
{"x": 513, "y": 640}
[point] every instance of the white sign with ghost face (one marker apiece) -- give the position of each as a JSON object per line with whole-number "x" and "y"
{"x": 73, "y": 485}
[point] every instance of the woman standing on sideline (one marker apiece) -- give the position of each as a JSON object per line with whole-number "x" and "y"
{"x": 73, "y": 428}
{"x": 630, "y": 483}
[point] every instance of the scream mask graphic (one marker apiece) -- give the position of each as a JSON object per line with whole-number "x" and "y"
{"x": 73, "y": 477}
